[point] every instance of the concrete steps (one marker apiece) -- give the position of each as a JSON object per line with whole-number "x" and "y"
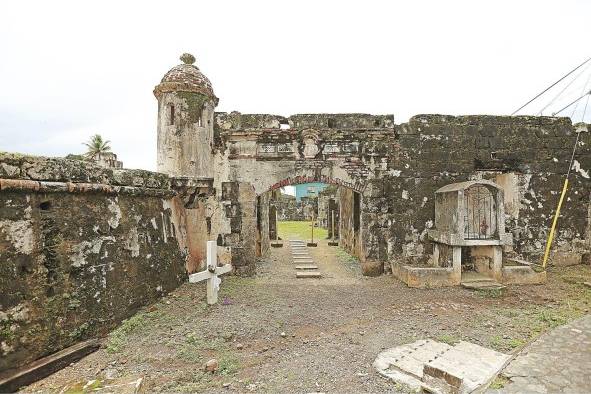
{"x": 306, "y": 267}
{"x": 304, "y": 264}
{"x": 308, "y": 274}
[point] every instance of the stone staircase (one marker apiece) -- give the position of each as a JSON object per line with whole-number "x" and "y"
{"x": 304, "y": 264}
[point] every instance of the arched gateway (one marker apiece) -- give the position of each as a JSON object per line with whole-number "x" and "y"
{"x": 223, "y": 165}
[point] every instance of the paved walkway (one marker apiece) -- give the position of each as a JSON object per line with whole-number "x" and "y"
{"x": 558, "y": 362}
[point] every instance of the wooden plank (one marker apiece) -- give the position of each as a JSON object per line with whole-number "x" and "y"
{"x": 223, "y": 269}
{"x": 200, "y": 276}
{"x": 12, "y": 380}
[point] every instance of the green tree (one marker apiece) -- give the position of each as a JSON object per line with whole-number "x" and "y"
{"x": 96, "y": 145}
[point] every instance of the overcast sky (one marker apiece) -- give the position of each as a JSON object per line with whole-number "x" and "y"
{"x": 72, "y": 69}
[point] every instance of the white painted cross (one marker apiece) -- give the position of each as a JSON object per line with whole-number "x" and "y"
{"x": 211, "y": 273}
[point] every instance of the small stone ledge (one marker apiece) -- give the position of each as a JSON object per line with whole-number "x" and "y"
{"x": 522, "y": 275}
{"x": 55, "y": 169}
{"x": 238, "y": 121}
{"x": 24, "y": 185}
{"x": 425, "y": 277}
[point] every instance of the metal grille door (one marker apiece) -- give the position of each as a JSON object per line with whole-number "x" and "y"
{"x": 479, "y": 216}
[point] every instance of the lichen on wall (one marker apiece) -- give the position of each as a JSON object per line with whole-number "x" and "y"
{"x": 398, "y": 168}
{"x": 72, "y": 251}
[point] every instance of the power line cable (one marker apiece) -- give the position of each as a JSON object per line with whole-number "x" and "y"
{"x": 585, "y": 110}
{"x": 565, "y": 107}
{"x": 566, "y": 87}
{"x": 551, "y": 86}
{"x": 582, "y": 91}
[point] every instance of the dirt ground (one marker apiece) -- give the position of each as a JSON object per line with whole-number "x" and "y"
{"x": 273, "y": 333}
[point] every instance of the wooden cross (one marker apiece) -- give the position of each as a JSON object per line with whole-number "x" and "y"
{"x": 211, "y": 273}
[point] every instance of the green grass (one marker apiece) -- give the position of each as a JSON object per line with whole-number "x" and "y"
{"x": 300, "y": 230}
{"x": 119, "y": 337}
{"x": 447, "y": 338}
{"x": 491, "y": 293}
{"x": 532, "y": 320}
{"x": 499, "y": 382}
{"x": 352, "y": 263}
{"x": 506, "y": 344}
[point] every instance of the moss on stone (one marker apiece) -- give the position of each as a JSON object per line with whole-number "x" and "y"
{"x": 194, "y": 104}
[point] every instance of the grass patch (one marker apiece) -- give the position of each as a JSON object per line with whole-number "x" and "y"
{"x": 119, "y": 337}
{"x": 195, "y": 348}
{"x": 352, "y": 263}
{"x": 300, "y": 230}
{"x": 190, "y": 382}
{"x": 229, "y": 364}
{"x": 447, "y": 338}
{"x": 530, "y": 320}
{"x": 499, "y": 382}
{"x": 506, "y": 344}
{"x": 491, "y": 293}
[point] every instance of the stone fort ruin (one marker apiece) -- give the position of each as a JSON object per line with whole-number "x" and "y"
{"x": 83, "y": 246}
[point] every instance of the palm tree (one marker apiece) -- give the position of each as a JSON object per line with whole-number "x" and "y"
{"x": 96, "y": 146}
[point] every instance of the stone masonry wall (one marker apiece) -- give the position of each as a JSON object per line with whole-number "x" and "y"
{"x": 398, "y": 168}
{"x": 533, "y": 151}
{"x": 81, "y": 248}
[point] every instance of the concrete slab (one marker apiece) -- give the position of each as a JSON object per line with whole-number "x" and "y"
{"x": 308, "y": 274}
{"x": 306, "y": 267}
{"x": 482, "y": 285}
{"x": 437, "y": 367}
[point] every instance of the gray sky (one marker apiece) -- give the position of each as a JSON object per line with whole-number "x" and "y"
{"x": 72, "y": 69}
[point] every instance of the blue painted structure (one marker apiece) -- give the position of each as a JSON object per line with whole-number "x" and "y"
{"x": 308, "y": 189}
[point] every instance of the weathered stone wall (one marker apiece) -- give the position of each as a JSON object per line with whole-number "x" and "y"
{"x": 240, "y": 213}
{"x": 528, "y": 156}
{"x": 81, "y": 248}
{"x": 291, "y": 210}
{"x": 263, "y": 237}
{"x": 397, "y": 168}
{"x": 349, "y": 238}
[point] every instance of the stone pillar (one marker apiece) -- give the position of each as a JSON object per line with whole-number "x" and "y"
{"x": 457, "y": 265}
{"x": 497, "y": 258}
{"x": 239, "y": 201}
{"x": 436, "y": 254}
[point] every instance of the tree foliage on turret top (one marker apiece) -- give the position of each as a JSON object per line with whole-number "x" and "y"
{"x": 96, "y": 145}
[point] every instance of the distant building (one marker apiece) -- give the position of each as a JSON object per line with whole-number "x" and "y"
{"x": 107, "y": 159}
{"x": 308, "y": 190}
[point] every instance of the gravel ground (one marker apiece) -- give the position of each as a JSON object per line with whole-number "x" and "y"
{"x": 273, "y": 333}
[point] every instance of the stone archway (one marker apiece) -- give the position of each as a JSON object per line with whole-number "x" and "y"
{"x": 267, "y": 152}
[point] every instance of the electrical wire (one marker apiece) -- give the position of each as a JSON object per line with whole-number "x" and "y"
{"x": 551, "y": 86}
{"x": 582, "y": 91}
{"x": 565, "y": 107}
{"x": 566, "y": 87}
